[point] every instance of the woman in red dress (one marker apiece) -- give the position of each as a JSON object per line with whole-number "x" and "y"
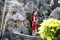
{"x": 34, "y": 25}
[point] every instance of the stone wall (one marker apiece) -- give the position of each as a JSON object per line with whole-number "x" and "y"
{"x": 27, "y": 37}
{"x": 22, "y": 1}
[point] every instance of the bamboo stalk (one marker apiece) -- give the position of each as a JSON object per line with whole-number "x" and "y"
{"x": 3, "y": 18}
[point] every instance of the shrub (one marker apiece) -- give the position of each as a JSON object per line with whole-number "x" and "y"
{"x": 48, "y": 28}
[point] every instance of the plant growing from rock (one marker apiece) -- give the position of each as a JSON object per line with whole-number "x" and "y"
{"x": 48, "y": 29}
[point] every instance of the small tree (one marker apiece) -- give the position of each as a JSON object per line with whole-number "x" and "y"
{"x": 48, "y": 28}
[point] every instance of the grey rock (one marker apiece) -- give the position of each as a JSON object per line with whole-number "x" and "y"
{"x": 55, "y": 13}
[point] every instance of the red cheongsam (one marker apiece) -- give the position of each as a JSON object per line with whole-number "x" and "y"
{"x": 34, "y": 22}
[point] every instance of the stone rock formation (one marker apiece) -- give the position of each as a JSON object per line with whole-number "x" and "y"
{"x": 55, "y": 13}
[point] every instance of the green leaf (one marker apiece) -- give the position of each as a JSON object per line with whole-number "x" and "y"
{"x": 49, "y": 38}
{"x": 48, "y": 28}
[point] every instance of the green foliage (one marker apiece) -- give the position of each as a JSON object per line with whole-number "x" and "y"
{"x": 48, "y": 28}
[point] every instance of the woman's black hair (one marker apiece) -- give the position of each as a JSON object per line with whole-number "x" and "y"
{"x": 33, "y": 12}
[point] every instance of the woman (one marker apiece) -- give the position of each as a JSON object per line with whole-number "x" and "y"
{"x": 34, "y": 23}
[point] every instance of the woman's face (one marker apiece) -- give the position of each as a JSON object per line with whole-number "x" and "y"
{"x": 35, "y": 13}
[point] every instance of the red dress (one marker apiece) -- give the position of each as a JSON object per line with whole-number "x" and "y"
{"x": 34, "y": 23}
